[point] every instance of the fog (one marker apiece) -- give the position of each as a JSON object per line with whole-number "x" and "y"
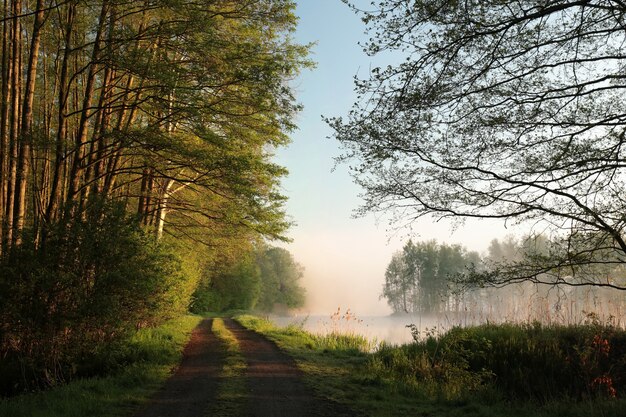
{"x": 345, "y": 262}
{"x": 345, "y": 269}
{"x": 519, "y": 303}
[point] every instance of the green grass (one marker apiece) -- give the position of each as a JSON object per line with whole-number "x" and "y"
{"x": 148, "y": 357}
{"x": 490, "y": 370}
{"x": 229, "y": 398}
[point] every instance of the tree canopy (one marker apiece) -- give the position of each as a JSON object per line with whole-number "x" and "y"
{"x": 136, "y": 144}
{"x": 498, "y": 109}
{"x": 264, "y": 278}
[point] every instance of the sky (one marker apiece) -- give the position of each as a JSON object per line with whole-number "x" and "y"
{"x": 344, "y": 257}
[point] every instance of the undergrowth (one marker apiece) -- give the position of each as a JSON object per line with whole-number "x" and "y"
{"x": 520, "y": 361}
{"x": 149, "y": 358}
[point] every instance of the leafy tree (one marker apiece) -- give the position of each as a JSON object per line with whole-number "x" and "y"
{"x": 398, "y": 284}
{"x": 264, "y": 278}
{"x": 83, "y": 295}
{"x": 280, "y": 279}
{"x": 136, "y": 142}
{"x": 235, "y": 288}
{"x": 501, "y": 109}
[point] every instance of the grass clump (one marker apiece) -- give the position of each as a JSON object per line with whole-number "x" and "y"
{"x": 294, "y": 337}
{"x": 529, "y": 362}
{"x": 149, "y": 358}
{"x": 230, "y": 393}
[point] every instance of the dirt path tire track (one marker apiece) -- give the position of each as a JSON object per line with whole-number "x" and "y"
{"x": 192, "y": 388}
{"x": 274, "y": 385}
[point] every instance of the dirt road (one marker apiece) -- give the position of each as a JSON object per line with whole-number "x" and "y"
{"x": 192, "y": 388}
{"x": 273, "y": 383}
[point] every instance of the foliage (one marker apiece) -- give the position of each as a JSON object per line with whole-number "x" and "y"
{"x": 265, "y": 279}
{"x": 147, "y": 360}
{"x": 136, "y": 143}
{"x": 280, "y": 279}
{"x": 497, "y": 109}
{"x": 237, "y": 287}
{"x": 497, "y": 288}
{"x": 62, "y": 307}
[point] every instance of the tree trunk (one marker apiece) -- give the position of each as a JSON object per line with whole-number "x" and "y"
{"x": 56, "y": 187}
{"x": 78, "y": 166}
{"x": 16, "y": 86}
{"x": 26, "y": 130}
{"x": 162, "y": 207}
{"x": 4, "y": 126}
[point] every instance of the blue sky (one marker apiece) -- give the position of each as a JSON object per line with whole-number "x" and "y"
{"x": 344, "y": 258}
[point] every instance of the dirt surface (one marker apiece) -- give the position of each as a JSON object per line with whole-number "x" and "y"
{"x": 274, "y": 385}
{"x": 192, "y": 388}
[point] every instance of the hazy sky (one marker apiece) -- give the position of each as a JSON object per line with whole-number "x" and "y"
{"x": 345, "y": 258}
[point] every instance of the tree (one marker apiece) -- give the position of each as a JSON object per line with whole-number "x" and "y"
{"x": 500, "y": 109}
{"x": 264, "y": 278}
{"x": 136, "y": 142}
{"x": 173, "y": 108}
{"x": 420, "y": 277}
{"x": 397, "y": 285}
{"x": 280, "y": 279}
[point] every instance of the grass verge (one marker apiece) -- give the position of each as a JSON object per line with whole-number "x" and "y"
{"x": 148, "y": 357}
{"x": 454, "y": 374}
{"x": 230, "y": 392}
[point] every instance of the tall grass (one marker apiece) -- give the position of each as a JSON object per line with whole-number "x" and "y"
{"x": 513, "y": 370}
{"x": 148, "y": 359}
{"x": 518, "y": 361}
{"x": 294, "y": 335}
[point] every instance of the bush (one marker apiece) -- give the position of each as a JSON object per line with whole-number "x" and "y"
{"x": 84, "y": 290}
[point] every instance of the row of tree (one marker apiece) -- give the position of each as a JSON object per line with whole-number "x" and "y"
{"x": 418, "y": 278}
{"x": 432, "y": 278}
{"x": 135, "y": 157}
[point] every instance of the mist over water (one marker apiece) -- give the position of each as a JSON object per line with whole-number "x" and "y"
{"x": 519, "y": 303}
{"x": 391, "y": 329}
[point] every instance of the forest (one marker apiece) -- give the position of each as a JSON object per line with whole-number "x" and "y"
{"x": 136, "y": 172}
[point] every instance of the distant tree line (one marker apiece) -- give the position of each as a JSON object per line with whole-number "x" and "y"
{"x": 135, "y": 158}
{"x": 418, "y": 278}
{"x": 432, "y": 278}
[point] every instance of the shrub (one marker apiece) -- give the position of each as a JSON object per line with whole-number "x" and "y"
{"x": 88, "y": 287}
